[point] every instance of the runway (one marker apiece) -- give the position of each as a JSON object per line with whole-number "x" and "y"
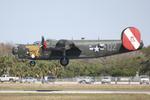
{"x": 73, "y": 92}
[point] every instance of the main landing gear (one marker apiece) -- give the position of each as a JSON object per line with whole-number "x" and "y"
{"x": 64, "y": 61}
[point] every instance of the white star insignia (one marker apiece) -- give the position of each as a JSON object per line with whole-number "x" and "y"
{"x": 96, "y": 49}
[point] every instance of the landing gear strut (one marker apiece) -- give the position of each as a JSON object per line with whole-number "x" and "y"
{"x": 64, "y": 61}
{"x": 32, "y": 63}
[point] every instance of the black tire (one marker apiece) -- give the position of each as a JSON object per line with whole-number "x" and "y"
{"x": 1, "y": 81}
{"x": 32, "y": 63}
{"x": 83, "y": 82}
{"x": 147, "y": 83}
{"x": 11, "y": 80}
{"x": 64, "y": 61}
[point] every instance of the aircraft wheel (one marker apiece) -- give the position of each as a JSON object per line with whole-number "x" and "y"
{"x": 64, "y": 61}
{"x": 32, "y": 63}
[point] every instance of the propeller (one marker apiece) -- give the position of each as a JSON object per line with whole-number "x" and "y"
{"x": 43, "y": 43}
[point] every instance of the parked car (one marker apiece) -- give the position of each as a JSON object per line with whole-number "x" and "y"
{"x": 86, "y": 80}
{"x": 106, "y": 79}
{"x": 48, "y": 79}
{"x": 144, "y": 79}
{"x": 28, "y": 80}
{"x": 124, "y": 79}
{"x": 7, "y": 78}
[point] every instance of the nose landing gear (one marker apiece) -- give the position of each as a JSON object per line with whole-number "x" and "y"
{"x": 32, "y": 63}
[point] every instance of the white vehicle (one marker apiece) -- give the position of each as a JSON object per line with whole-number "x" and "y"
{"x": 7, "y": 78}
{"x": 124, "y": 79}
{"x": 48, "y": 79}
{"x": 28, "y": 80}
{"x": 106, "y": 79}
{"x": 85, "y": 80}
{"x": 144, "y": 79}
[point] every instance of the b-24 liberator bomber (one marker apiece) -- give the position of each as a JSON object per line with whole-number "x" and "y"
{"x": 64, "y": 50}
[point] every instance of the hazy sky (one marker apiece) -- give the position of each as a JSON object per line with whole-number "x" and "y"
{"x": 25, "y": 21}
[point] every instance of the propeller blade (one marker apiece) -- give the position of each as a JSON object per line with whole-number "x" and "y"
{"x": 43, "y": 43}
